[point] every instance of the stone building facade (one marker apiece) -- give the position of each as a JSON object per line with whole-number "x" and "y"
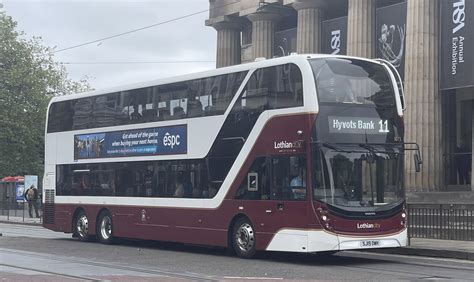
{"x": 412, "y": 34}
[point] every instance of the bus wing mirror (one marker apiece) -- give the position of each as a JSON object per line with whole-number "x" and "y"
{"x": 418, "y": 162}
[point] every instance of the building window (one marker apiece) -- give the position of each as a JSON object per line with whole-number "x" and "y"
{"x": 458, "y": 116}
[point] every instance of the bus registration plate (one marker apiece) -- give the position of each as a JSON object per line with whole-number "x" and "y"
{"x": 369, "y": 243}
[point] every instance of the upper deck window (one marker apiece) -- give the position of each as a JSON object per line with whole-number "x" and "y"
{"x": 342, "y": 80}
{"x": 186, "y": 99}
{"x": 276, "y": 87}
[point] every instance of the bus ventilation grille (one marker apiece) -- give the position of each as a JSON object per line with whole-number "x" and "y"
{"x": 48, "y": 212}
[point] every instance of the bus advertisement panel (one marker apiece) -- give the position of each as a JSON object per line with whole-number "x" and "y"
{"x": 137, "y": 142}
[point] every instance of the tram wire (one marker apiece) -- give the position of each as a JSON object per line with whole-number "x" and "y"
{"x": 142, "y": 28}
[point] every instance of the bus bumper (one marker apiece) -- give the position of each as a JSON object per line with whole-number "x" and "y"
{"x": 310, "y": 241}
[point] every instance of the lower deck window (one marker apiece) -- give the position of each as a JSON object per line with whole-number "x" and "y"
{"x": 183, "y": 179}
{"x": 275, "y": 178}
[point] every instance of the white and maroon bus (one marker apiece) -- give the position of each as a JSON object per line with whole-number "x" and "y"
{"x": 303, "y": 153}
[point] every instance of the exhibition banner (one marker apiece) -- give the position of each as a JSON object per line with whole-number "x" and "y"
{"x": 334, "y": 36}
{"x": 457, "y": 44}
{"x": 391, "y": 35}
{"x": 285, "y": 42}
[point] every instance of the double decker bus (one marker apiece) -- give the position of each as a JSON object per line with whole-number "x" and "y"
{"x": 303, "y": 153}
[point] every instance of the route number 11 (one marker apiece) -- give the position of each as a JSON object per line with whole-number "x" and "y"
{"x": 383, "y": 126}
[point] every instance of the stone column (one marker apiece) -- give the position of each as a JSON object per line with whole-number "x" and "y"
{"x": 361, "y": 28}
{"x": 228, "y": 43}
{"x": 472, "y": 149}
{"x": 308, "y": 36}
{"x": 263, "y": 33}
{"x": 423, "y": 114}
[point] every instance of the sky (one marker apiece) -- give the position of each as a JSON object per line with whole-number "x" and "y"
{"x": 66, "y": 23}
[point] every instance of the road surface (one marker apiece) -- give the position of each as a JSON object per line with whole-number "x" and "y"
{"x": 32, "y": 253}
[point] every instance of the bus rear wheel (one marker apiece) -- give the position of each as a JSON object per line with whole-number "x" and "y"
{"x": 81, "y": 227}
{"x": 105, "y": 228}
{"x": 243, "y": 238}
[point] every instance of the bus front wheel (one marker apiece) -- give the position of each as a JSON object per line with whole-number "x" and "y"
{"x": 105, "y": 228}
{"x": 243, "y": 238}
{"x": 81, "y": 227}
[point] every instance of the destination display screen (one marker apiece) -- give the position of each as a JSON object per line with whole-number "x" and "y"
{"x": 138, "y": 142}
{"x": 358, "y": 125}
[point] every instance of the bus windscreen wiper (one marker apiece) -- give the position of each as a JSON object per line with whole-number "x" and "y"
{"x": 346, "y": 149}
{"x": 332, "y": 147}
{"x": 336, "y": 148}
{"x": 372, "y": 149}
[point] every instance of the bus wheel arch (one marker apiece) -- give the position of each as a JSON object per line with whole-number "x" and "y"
{"x": 104, "y": 227}
{"x": 241, "y": 236}
{"x": 80, "y": 225}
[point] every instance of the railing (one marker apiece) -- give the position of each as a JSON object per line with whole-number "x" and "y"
{"x": 11, "y": 210}
{"x": 441, "y": 221}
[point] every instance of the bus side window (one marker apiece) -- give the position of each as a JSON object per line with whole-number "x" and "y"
{"x": 286, "y": 87}
{"x": 254, "y": 185}
{"x": 288, "y": 178}
{"x": 274, "y": 88}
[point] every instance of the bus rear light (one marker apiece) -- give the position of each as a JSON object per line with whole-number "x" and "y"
{"x": 325, "y": 218}
{"x": 404, "y": 215}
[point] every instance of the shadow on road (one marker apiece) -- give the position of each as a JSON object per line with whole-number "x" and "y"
{"x": 316, "y": 259}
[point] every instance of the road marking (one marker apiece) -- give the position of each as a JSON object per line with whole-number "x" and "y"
{"x": 82, "y": 278}
{"x": 412, "y": 257}
{"x": 252, "y": 278}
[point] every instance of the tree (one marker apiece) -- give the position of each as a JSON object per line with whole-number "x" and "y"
{"x": 29, "y": 78}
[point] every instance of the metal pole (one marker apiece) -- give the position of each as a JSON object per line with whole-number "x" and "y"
{"x": 40, "y": 198}
{"x": 408, "y": 223}
{"x": 8, "y": 209}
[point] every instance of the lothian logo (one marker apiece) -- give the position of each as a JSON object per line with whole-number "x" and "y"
{"x": 366, "y": 225}
{"x": 288, "y": 145}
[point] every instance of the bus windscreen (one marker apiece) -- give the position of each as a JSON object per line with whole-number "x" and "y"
{"x": 358, "y": 177}
{"x": 344, "y": 80}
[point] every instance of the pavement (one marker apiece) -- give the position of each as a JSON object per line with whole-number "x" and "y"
{"x": 434, "y": 248}
{"x": 20, "y": 219}
{"x": 418, "y": 246}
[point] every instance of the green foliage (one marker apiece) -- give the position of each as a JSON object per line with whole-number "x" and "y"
{"x": 29, "y": 78}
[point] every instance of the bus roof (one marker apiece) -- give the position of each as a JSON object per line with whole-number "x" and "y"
{"x": 258, "y": 63}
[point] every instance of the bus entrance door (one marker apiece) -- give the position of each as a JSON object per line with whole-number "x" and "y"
{"x": 288, "y": 207}
{"x": 285, "y": 222}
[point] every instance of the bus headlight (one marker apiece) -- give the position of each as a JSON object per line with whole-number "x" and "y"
{"x": 403, "y": 222}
